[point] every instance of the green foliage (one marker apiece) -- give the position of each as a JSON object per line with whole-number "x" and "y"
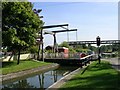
{"x": 78, "y": 50}
{"x": 49, "y": 51}
{"x": 82, "y": 50}
{"x": 64, "y": 44}
{"x": 84, "y": 46}
{"x": 71, "y": 50}
{"x": 19, "y": 25}
{"x": 33, "y": 49}
{"x": 93, "y": 48}
{"x": 109, "y": 48}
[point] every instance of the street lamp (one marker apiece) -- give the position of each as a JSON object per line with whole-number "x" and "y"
{"x": 98, "y": 44}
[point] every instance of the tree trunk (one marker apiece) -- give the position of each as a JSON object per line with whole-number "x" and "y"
{"x": 18, "y": 57}
{"x": 13, "y": 53}
{"x": 10, "y": 57}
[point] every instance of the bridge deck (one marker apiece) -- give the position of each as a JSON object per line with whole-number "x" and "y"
{"x": 72, "y": 61}
{"x": 65, "y": 61}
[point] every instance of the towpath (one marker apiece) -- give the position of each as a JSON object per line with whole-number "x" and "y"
{"x": 115, "y": 62}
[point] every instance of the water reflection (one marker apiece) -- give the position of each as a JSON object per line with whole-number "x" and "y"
{"x": 19, "y": 84}
{"x": 43, "y": 80}
{"x": 55, "y": 76}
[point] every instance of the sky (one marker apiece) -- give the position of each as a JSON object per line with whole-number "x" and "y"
{"x": 91, "y": 19}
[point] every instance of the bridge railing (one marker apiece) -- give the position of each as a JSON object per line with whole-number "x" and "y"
{"x": 67, "y": 56}
{"x": 61, "y": 55}
{"x": 71, "y": 60}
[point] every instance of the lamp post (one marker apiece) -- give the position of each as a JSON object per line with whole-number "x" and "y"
{"x": 98, "y": 44}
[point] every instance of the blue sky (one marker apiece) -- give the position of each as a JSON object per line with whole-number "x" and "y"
{"x": 92, "y": 19}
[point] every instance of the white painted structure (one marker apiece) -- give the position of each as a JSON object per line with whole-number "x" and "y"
{"x": 22, "y": 57}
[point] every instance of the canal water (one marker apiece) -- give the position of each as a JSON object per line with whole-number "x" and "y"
{"x": 40, "y": 80}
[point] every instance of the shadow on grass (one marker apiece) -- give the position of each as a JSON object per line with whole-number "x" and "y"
{"x": 8, "y": 64}
{"x": 96, "y": 77}
{"x": 11, "y": 63}
{"x": 87, "y": 88}
{"x": 84, "y": 70}
{"x": 102, "y": 66}
{"x": 102, "y": 80}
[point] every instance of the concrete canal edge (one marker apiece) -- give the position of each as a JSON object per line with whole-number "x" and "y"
{"x": 66, "y": 78}
{"x": 27, "y": 73}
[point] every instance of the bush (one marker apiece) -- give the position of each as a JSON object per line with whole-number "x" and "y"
{"x": 33, "y": 49}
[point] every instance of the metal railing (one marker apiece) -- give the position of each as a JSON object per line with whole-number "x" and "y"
{"x": 67, "y": 56}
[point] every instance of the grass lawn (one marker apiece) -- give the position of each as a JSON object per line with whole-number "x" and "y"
{"x": 9, "y": 67}
{"x": 96, "y": 77}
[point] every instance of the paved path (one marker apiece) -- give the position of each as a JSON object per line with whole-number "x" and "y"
{"x": 115, "y": 62}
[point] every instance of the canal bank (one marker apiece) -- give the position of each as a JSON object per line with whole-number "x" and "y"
{"x": 66, "y": 78}
{"x": 27, "y": 73}
{"x": 96, "y": 76}
{"x": 40, "y": 80}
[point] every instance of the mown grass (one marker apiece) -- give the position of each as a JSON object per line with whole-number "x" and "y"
{"x": 96, "y": 77}
{"x": 10, "y": 67}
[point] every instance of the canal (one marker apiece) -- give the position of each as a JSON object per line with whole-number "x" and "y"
{"x": 40, "y": 80}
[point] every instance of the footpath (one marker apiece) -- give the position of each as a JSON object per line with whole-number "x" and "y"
{"x": 115, "y": 62}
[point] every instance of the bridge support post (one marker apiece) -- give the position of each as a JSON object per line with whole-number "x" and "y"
{"x": 99, "y": 57}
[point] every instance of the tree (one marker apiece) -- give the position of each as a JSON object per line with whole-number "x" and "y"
{"x": 33, "y": 49}
{"x": 64, "y": 44}
{"x": 19, "y": 26}
{"x": 115, "y": 47}
{"x": 84, "y": 46}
